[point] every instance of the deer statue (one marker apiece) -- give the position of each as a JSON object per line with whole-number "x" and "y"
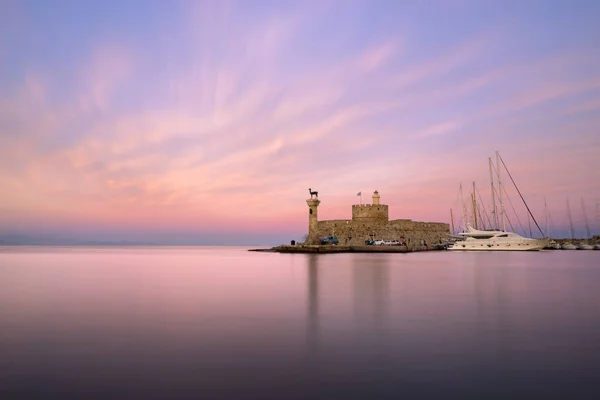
{"x": 316, "y": 194}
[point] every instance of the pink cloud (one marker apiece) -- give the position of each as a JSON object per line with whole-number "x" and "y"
{"x": 376, "y": 57}
{"x": 108, "y": 67}
{"x": 443, "y": 64}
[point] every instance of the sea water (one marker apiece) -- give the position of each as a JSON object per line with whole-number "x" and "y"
{"x": 225, "y": 323}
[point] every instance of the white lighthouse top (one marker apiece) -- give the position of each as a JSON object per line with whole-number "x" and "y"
{"x": 376, "y": 197}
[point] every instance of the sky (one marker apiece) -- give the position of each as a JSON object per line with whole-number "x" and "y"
{"x": 207, "y": 121}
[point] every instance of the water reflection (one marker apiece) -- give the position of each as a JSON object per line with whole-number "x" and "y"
{"x": 370, "y": 277}
{"x": 223, "y": 323}
{"x": 369, "y": 299}
{"x": 312, "y": 332}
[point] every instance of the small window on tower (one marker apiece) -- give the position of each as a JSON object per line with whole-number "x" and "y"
{"x": 310, "y": 210}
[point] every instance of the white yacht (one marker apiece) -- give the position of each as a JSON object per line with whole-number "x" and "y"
{"x": 495, "y": 240}
{"x": 473, "y": 239}
{"x": 585, "y": 246}
{"x": 569, "y": 246}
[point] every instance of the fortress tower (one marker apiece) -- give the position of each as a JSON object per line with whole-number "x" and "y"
{"x": 370, "y": 221}
{"x": 313, "y": 234}
{"x": 370, "y": 212}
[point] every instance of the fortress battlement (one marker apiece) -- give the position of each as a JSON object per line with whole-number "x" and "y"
{"x": 371, "y": 221}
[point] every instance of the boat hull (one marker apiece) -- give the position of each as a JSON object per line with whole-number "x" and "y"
{"x": 585, "y": 247}
{"x": 498, "y": 244}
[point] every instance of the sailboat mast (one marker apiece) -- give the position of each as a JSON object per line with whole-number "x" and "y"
{"x": 587, "y": 224}
{"x": 546, "y": 214}
{"x": 452, "y": 221}
{"x": 464, "y": 210}
{"x": 570, "y": 220}
{"x": 598, "y": 216}
{"x": 494, "y": 211}
{"x": 474, "y": 207}
{"x": 500, "y": 190}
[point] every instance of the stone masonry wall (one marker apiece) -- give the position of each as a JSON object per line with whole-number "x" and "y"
{"x": 354, "y": 233}
{"x": 370, "y": 212}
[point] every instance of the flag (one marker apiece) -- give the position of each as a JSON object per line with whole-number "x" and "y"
{"x": 358, "y": 194}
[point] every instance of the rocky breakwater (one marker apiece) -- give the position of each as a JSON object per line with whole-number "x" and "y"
{"x": 330, "y": 249}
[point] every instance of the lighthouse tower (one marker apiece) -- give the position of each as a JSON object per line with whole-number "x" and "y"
{"x": 313, "y": 204}
{"x": 376, "y": 198}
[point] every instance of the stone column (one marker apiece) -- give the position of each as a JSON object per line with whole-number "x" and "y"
{"x": 313, "y": 236}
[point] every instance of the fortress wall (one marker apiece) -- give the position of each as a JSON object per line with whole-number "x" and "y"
{"x": 370, "y": 212}
{"x": 356, "y": 232}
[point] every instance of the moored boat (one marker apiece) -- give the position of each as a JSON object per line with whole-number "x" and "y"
{"x": 477, "y": 240}
{"x": 553, "y": 245}
{"x": 585, "y": 246}
{"x": 499, "y": 239}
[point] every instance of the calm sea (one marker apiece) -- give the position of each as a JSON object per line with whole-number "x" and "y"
{"x": 225, "y": 323}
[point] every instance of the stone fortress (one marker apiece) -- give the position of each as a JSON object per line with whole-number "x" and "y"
{"x": 371, "y": 221}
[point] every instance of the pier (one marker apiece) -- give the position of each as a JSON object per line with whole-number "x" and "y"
{"x": 331, "y": 249}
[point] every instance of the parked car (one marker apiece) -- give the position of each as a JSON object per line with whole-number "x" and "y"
{"x": 329, "y": 240}
{"x": 379, "y": 242}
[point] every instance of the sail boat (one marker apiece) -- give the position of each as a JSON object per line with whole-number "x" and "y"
{"x": 597, "y": 245}
{"x": 553, "y": 244}
{"x": 496, "y": 240}
{"x": 585, "y": 246}
{"x": 570, "y": 246}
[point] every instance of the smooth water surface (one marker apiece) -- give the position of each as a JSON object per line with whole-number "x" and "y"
{"x": 222, "y": 322}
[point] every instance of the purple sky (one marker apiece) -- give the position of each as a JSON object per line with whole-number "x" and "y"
{"x": 206, "y": 121}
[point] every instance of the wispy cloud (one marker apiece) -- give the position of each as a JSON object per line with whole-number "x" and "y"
{"x": 108, "y": 68}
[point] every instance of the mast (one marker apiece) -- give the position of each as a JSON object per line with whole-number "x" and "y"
{"x": 546, "y": 214}
{"x": 464, "y": 210}
{"x": 587, "y": 224}
{"x": 570, "y": 220}
{"x": 500, "y": 190}
{"x": 452, "y": 221}
{"x": 598, "y": 215}
{"x": 494, "y": 211}
{"x": 518, "y": 191}
{"x": 474, "y": 201}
